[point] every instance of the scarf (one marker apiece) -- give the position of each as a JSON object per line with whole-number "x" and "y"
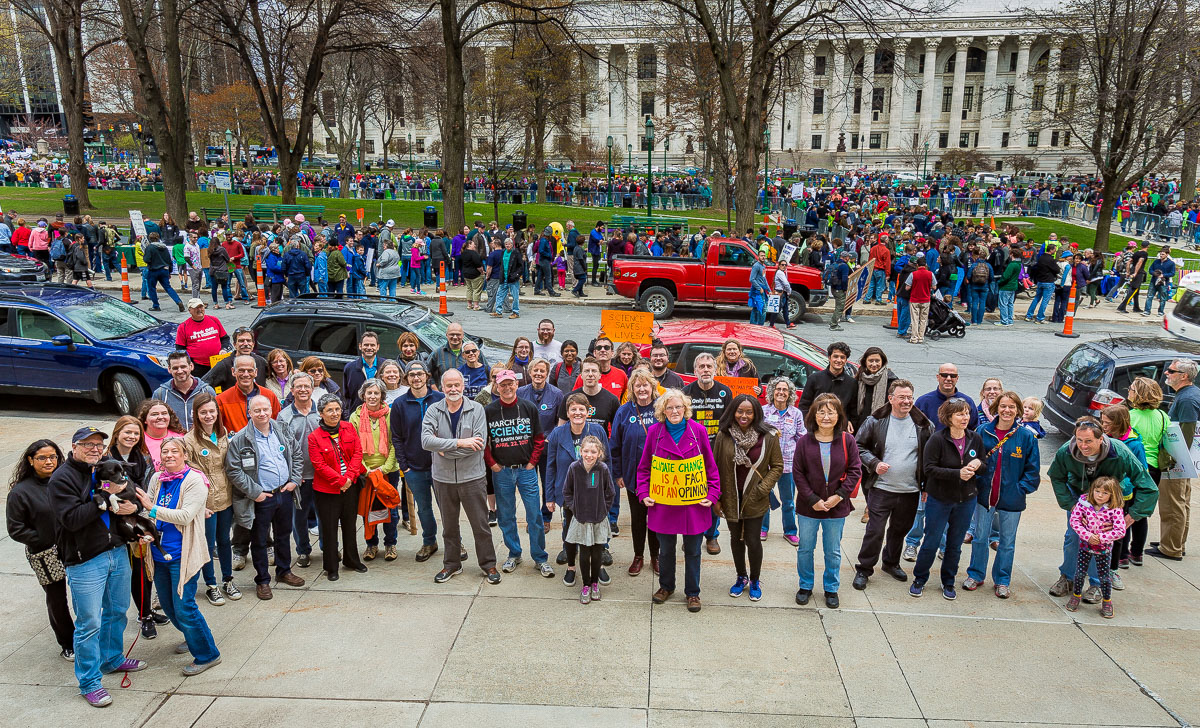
{"x": 742, "y": 443}
{"x": 519, "y": 360}
{"x": 165, "y": 476}
{"x": 676, "y": 429}
{"x": 878, "y": 394}
{"x": 333, "y": 431}
{"x": 367, "y": 418}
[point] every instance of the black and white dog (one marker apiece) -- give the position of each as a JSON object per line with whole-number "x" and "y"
{"x": 117, "y": 488}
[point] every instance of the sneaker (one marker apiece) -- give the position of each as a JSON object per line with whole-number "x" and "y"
{"x": 604, "y": 578}
{"x": 303, "y": 561}
{"x": 971, "y": 584}
{"x": 425, "y": 552}
{"x": 755, "y": 591}
{"x": 569, "y": 577}
{"x": 149, "y": 630}
{"x": 196, "y": 668}
{"x": 231, "y": 590}
{"x": 214, "y": 595}
{"x": 1136, "y": 560}
{"x": 585, "y": 595}
{"x": 595, "y": 592}
{"x": 910, "y": 553}
{"x": 239, "y": 562}
{"x": 313, "y": 531}
{"x": 67, "y": 654}
{"x": 492, "y": 519}
{"x": 941, "y": 554}
{"x": 1106, "y": 609}
{"x": 1116, "y": 582}
{"x": 390, "y": 554}
{"x": 1002, "y": 591}
{"x": 835, "y": 327}
{"x": 1123, "y": 563}
{"x": 606, "y": 558}
{"x": 370, "y": 553}
{"x": 849, "y": 319}
{"x": 270, "y": 555}
{"x": 546, "y": 570}
{"x": 98, "y": 698}
{"x": 1092, "y": 595}
{"x": 514, "y": 316}
{"x": 916, "y": 589}
{"x": 802, "y": 596}
{"x": 510, "y": 564}
{"x": 131, "y": 665}
{"x": 561, "y": 558}
{"x": 182, "y": 648}
{"x": 949, "y": 594}
{"x": 739, "y": 587}
{"x": 793, "y": 540}
{"x": 693, "y": 604}
{"x": 1073, "y": 603}
{"x": 616, "y": 531}
{"x": 444, "y": 575}
{"x": 1061, "y": 587}
{"x": 493, "y": 576}
{"x": 762, "y": 535}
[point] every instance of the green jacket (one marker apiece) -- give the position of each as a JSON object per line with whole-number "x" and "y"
{"x": 1070, "y": 479}
{"x": 336, "y": 263}
{"x": 1009, "y": 278}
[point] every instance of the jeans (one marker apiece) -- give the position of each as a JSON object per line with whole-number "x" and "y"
{"x": 878, "y": 286}
{"x": 183, "y": 612}
{"x": 891, "y": 515}
{"x": 301, "y": 516}
{"x": 977, "y": 297}
{"x": 272, "y": 527}
{"x": 225, "y": 291}
{"x": 491, "y": 287}
{"x": 1006, "y": 306}
{"x": 954, "y": 519}
{"x": 335, "y": 287}
{"x": 579, "y": 281}
{"x": 831, "y": 551}
{"x": 217, "y": 529}
{"x": 787, "y": 496}
{"x": 155, "y": 278}
{"x": 508, "y": 482}
{"x": 1040, "y": 299}
{"x": 420, "y": 482}
{"x": 917, "y": 532}
{"x": 903, "y": 316}
{"x": 691, "y": 562}
{"x": 240, "y": 275}
{"x": 390, "y": 534}
{"x": 1002, "y": 566}
{"x": 507, "y": 289}
{"x": 387, "y": 287}
{"x": 1071, "y": 557}
{"x": 297, "y": 285}
{"x": 715, "y": 531}
{"x": 545, "y": 279}
{"x": 1162, "y": 293}
{"x": 100, "y": 597}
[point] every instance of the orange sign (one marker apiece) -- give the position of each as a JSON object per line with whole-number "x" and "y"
{"x": 634, "y": 326}
{"x": 360, "y": 212}
{"x": 739, "y": 385}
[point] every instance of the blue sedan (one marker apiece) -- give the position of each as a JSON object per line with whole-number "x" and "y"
{"x": 63, "y": 340}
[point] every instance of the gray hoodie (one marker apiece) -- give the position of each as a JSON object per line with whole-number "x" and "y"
{"x": 452, "y": 464}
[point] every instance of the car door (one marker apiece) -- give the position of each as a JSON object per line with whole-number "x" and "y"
{"x": 6, "y": 344}
{"x": 335, "y": 342}
{"x": 38, "y": 363}
{"x": 729, "y": 279}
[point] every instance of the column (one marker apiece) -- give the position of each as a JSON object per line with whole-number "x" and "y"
{"x": 930, "y": 99}
{"x": 1050, "y": 100}
{"x": 1018, "y": 122}
{"x": 868, "y": 85}
{"x": 804, "y": 106}
{"x": 989, "y": 102}
{"x": 960, "y": 81}
{"x": 633, "y": 102}
{"x": 896, "y": 113}
{"x": 660, "y": 100}
{"x": 604, "y": 92}
{"x": 836, "y": 97}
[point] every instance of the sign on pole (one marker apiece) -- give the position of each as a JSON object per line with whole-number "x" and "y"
{"x": 857, "y": 283}
{"x": 223, "y": 180}
{"x": 138, "y": 223}
{"x": 787, "y": 251}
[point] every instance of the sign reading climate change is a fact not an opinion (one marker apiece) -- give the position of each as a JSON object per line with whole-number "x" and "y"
{"x": 678, "y": 482}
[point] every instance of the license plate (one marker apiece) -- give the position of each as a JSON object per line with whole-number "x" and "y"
{"x": 1067, "y": 391}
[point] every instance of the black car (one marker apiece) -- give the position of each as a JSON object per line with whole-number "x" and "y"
{"x": 1098, "y": 373}
{"x": 331, "y": 328}
{"x": 22, "y": 269}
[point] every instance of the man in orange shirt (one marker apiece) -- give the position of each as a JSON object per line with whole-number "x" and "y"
{"x": 233, "y": 401}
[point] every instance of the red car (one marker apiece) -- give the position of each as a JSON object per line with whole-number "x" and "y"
{"x": 774, "y": 353}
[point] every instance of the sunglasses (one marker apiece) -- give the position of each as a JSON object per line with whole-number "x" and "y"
{"x": 1172, "y": 371}
{"x": 602, "y": 347}
{"x": 948, "y": 376}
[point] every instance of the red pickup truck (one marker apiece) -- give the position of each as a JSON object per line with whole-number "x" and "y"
{"x": 720, "y": 276}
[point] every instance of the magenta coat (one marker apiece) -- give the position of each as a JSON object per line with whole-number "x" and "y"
{"x": 685, "y": 520}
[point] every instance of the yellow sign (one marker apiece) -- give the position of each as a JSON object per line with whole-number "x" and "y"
{"x": 633, "y": 326}
{"x": 678, "y": 482}
{"x": 739, "y": 385}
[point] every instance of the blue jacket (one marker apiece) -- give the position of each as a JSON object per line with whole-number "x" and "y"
{"x": 273, "y": 266}
{"x": 1020, "y": 467}
{"x": 547, "y": 403}
{"x": 929, "y": 403}
{"x": 560, "y": 453}
{"x": 295, "y": 263}
{"x": 404, "y": 422}
{"x": 627, "y": 441}
{"x": 839, "y": 277}
{"x": 358, "y": 271}
{"x": 321, "y": 267}
{"x": 545, "y": 249}
{"x": 1138, "y": 448}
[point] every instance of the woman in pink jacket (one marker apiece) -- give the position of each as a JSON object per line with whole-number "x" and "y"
{"x": 679, "y": 445}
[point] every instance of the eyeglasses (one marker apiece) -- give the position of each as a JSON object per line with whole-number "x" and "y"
{"x": 947, "y": 376}
{"x": 1172, "y": 371}
{"x": 91, "y": 445}
{"x": 602, "y": 347}
{"x": 45, "y": 458}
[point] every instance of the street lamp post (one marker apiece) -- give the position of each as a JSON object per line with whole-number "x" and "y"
{"x": 410, "y": 159}
{"x": 103, "y": 150}
{"x": 358, "y": 153}
{"x": 610, "y": 145}
{"x": 925, "y": 174}
{"x": 862, "y": 141}
{"x": 649, "y": 167}
{"x": 766, "y": 168}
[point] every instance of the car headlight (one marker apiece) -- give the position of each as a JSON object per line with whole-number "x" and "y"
{"x": 161, "y": 361}
{"x": 9, "y": 270}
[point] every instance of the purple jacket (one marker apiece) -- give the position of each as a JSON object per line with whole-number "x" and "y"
{"x": 845, "y": 470}
{"x": 456, "y": 244}
{"x": 685, "y": 520}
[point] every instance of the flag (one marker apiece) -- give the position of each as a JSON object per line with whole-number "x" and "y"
{"x": 993, "y": 223}
{"x": 361, "y": 213}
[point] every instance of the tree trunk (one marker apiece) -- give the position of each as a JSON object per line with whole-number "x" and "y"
{"x": 539, "y": 156}
{"x": 289, "y": 165}
{"x": 454, "y": 134}
{"x": 70, "y": 64}
{"x": 1104, "y": 217}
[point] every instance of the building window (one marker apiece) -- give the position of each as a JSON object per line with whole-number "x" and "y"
{"x": 1058, "y": 97}
{"x": 858, "y": 100}
{"x": 1074, "y": 92}
{"x": 964, "y": 139}
{"x": 647, "y": 103}
{"x": 1012, "y": 62}
{"x": 921, "y": 64}
{"x": 369, "y": 146}
{"x": 1039, "y": 97}
{"x": 481, "y": 145}
{"x": 818, "y": 101}
{"x": 875, "y": 141}
{"x": 420, "y": 145}
{"x": 854, "y": 141}
{"x": 329, "y": 107}
{"x": 819, "y": 66}
{"x": 968, "y": 97}
{"x": 918, "y": 109}
{"x": 647, "y": 64}
{"x": 1054, "y": 138}
{"x": 816, "y": 141}
{"x": 1032, "y": 141}
{"x": 943, "y": 139}
{"x": 1004, "y": 140}
{"x": 643, "y": 145}
{"x": 877, "y": 99}
{"x": 1009, "y": 98}
{"x": 947, "y": 99}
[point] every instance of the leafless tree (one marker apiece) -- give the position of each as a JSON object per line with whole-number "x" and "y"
{"x": 914, "y": 154}
{"x": 498, "y": 123}
{"x": 347, "y": 85}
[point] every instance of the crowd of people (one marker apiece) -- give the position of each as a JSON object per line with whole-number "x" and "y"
{"x": 262, "y": 462}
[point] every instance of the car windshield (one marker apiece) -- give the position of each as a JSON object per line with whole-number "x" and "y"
{"x": 428, "y": 326}
{"x": 104, "y": 318}
{"x": 1086, "y": 366}
{"x": 811, "y": 353}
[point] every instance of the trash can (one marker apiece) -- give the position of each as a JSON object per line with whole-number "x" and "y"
{"x": 70, "y": 205}
{"x": 431, "y": 217}
{"x": 789, "y": 228}
{"x": 627, "y": 201}
{"x": 517, "y": 198}
{"x": 379, "y": 194}
{"x": 519, "y": 220}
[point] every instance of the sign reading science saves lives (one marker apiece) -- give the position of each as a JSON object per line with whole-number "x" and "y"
{"x": 678, "y": 482}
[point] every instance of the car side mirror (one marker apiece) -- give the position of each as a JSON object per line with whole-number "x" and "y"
{"x": 63, "y": 340}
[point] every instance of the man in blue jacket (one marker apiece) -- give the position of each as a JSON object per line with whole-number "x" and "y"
{"x": 296, "y": 267}
{"x": 404, "y": 422}
{"x": 545, "y": 264}
{"x": 595, "y": 241}
{"x": 838, "y": 279}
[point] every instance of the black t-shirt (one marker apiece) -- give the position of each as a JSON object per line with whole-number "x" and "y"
{"x": 602, "y": 409}
{"x": 1140, "y": 255}
{"x": 512, "y": 430}
{"x": 708, "y": 406}
{"x": 471, "y": 263}
{"x": 669, "y": 380}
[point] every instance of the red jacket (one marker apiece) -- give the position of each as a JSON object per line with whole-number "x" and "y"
{"x": 882, "y": 257}
{"x": 327, "y": 475}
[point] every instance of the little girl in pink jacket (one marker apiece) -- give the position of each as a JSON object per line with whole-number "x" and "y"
{"x": 1099, "y": 520}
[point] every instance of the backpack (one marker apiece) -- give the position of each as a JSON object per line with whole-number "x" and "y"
{"x": 58, "y": 250}
{"x": 979, "y": 274}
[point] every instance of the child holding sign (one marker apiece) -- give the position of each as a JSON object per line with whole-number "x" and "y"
{"x": 589, "y": 492}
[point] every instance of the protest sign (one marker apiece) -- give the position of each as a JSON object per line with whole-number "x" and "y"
{"x": 138, "y": 223}
{"x": 1186, "y": 461}
{"x": 739, "y": 385}
{"x": 857, "y": 283}
{"x": 633, "y": 326}
{"x": 787, "y": 251}
{"x": 678, "y": 482}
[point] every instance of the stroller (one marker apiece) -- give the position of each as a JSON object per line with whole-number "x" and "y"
{"x": 944, "y": 320}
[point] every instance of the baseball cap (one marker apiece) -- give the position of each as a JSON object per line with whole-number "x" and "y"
{"x": 194, "y": 302}
{"x": 1065, "y": 254}
{"x": 504, "y": 375}
{"x": 391, "y": 223}
{"x": 84, "y": 433}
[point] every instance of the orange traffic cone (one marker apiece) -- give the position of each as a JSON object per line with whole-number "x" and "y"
{"x": 1069, "y": 321}
{"x": 258, "y": 280}
{"x": 125, "y": 281}
{"x": 895, "y": 324}
{"x": 442, "y": 289}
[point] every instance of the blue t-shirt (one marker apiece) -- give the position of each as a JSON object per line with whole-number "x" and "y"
{"x": 1186, "y": 407}
{"x": 172, "y": 538}
{"x": 474, "y": 380}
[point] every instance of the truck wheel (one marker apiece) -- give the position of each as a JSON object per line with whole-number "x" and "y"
{"x": 658, "y": 301}
{"x": 797, "y": 307}
{"x": 126, "y": 392}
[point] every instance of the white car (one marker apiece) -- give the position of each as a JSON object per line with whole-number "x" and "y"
{"x": 1183, "y": 319}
